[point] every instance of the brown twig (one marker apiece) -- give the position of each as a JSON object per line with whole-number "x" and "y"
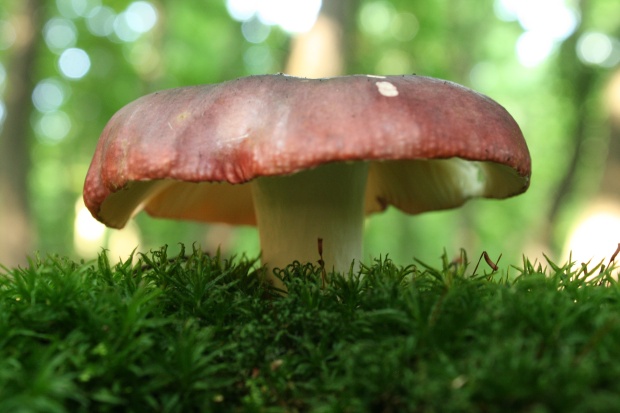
{"x": 613, "y": 256}
{"x": 489, "y": 262}
{"x": 321, "y": 262}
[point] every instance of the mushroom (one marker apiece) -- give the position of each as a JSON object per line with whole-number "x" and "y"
{"x": 305, "y": 159}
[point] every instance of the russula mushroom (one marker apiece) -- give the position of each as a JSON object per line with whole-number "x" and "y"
{"x": 305, "y": 158}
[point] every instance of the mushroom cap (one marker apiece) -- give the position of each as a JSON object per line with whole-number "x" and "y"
{"x": 183, "y": 153}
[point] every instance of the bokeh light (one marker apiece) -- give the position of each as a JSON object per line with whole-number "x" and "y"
{"x": 597, "y": 48}
{"x": 292, "y": 16}
{"x": 376, "y": 17}
{"x": 545, "y": 24}
{"x": 122, "y": 243}
{"x": 74, "y": 63}
{"x": 394, "y": 62}
{"x": 258, "y": 59}
{"x": 74, "y": 8}
{"x": 48, "y": 95}
{"x": 595, "y": 238}
{"x": 241, "y": 10}
{"x": 381, "y": 20}
{"x": 100, "y": 21}
{"x": 532, "y": 49}
{"x": 52, "y": 127}
{"x": 141, "y": 16}
{"x": 137, "y": 19}
{"x": 91, "y": 236}
{"x": 86, "y": 228}
{"x": 146, "y": 59}
{"x": 255, "y": 31}
{"x": 404, "y": 26}
{"x": 59, "y": 34}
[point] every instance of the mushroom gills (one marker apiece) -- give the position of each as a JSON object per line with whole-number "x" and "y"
{"x": 421, "y": 185}
{"x": 122, "y": 205}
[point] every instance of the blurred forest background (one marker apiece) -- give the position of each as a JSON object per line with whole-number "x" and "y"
{"x": 67, "y": 65}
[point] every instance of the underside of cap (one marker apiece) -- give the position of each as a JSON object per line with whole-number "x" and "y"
{"x": 188, "y": 153}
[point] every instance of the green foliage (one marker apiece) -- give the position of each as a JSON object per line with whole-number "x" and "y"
{"x": 196, "y": 42}
{"x": 201, "y": 333}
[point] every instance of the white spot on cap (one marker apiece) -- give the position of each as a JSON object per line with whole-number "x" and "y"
{"x": 378, "y": 77}
{"x": 387, "y": 89}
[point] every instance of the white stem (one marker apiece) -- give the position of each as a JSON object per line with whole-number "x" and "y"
{"x": 294, "y": 211}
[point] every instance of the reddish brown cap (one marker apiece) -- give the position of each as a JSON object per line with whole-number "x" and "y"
{"x": 181, "y": 153}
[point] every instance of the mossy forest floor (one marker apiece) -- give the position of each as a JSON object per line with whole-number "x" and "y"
{"x": 194, "y": 333}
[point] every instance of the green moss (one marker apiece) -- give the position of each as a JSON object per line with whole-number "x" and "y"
{"x": 200, "y": 333}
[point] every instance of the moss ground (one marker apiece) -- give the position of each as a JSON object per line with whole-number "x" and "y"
{"x": 195, "y": 333}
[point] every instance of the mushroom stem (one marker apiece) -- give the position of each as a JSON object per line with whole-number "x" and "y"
{"x": 294, "y": 211}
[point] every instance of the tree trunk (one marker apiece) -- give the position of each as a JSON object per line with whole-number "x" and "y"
{"x": 325, "y": 50}
{"x": 610, "y": 185}
{"x": 15, "y": 220}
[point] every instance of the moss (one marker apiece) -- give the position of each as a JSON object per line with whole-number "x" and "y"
{"x": 200, "y": 333}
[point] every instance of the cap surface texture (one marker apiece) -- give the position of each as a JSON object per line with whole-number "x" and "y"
{"x": 184, "y": 153}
